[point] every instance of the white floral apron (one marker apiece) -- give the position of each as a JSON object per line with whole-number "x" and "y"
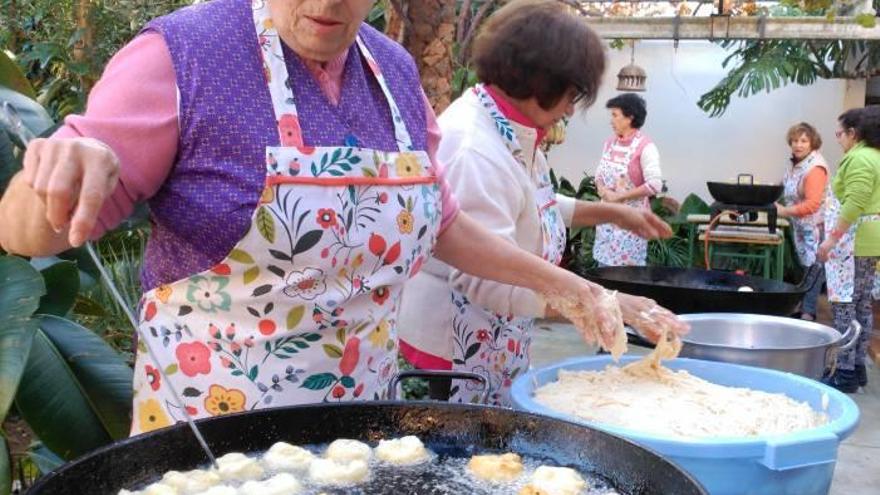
{"x": 494, "y": 345}
{"x": 615, "y": 246}
{"x": 303, "y": 309}
{"x": 806, "y": 228}
{"x": 840, "y": 267}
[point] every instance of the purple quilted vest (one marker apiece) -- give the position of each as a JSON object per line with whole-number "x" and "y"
{"x": 226, "y": 122}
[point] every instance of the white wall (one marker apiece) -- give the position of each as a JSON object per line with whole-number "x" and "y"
{"x": 694, "y": 148}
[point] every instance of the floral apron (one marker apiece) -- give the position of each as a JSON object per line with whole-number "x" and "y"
{"x": 805, "y": 229}
{"x": 303, "y": 309}
{"x": 840, "y": 267}
{"x": 615, "y": 246}
{"x": 490, "y": 344}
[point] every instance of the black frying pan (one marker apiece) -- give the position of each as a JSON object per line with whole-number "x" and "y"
{"x": 694, "y": 290}
{"x": 745, "y": 193}
{"x": 448, "y": 429}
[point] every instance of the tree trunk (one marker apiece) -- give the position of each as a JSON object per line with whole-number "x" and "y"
{"x": 430, "y": 39}
{"x": 83, "y": 50}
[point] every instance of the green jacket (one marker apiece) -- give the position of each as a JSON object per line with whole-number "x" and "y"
{"x": 857, "y": 186}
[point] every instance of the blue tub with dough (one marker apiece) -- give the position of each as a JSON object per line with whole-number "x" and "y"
{"x": 799, "y": 463}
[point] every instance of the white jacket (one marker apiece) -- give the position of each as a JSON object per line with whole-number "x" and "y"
{"x": 496, "y": 191}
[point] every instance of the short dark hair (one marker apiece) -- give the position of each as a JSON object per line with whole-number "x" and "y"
{"x": 537, "y": 48}
{"x": 803, "y": 128}
{"x": 864, "y": 122}
{"x": 630, "y": 105}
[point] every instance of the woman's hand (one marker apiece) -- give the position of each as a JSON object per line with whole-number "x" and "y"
{"x": 643, "y": 223}
{"x": 825, "y": 249}
{"x": 782, "y": 210}
{"x": 612, "y": 196}
{"x": 648, "y": 317}
{"x": 579, "y": 301}
{"x": 73, "y": 178}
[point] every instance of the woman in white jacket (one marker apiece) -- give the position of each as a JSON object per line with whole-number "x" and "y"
{"x": 535, "y": 62}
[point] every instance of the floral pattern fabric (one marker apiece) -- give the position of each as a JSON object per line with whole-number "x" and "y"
{"x": 303, "y": 309}
{"x": 613, "y": 245}
{"x": 493, "y": 345}
{"x": 805, "y": 229}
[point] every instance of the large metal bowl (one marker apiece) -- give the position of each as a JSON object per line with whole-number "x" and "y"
{"x": 786, "y": 344}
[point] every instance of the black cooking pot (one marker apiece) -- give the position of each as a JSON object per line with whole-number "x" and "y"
{"x": 694, "y": 290}
{"x": 745, "y": 193}
{"x": 447, "y": 429}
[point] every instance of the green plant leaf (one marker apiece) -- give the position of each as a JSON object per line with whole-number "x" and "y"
{"x": 332, "y": 351}
{"x": 20, "y": 289}
{"x": 33, "y": 115}
{"x": 866, "y": 20}
{"x": 5, "y": 468}
{"x": 13, "y": 78}
{"x": 75, "y": 392}
{"x": 319, "y": 381}
{"x": 45, "y": 460}
{"x": 62, "y": 286}
{"x": 9, "y": 163}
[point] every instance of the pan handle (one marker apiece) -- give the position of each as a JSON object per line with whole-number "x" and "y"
{"x": 851, "y": 336}
{"x": 436, "y": 374}
{"x": 750, "y": 176}
{"x": 810, "y": 278}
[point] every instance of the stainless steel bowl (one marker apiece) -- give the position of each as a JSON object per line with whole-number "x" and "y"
{"x": 786, "y": 344}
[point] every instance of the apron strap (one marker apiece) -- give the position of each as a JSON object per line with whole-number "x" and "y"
{"x": 278, "y": 80}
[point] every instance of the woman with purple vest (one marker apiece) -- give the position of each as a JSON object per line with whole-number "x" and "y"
{"x": 286, "y": 151}
{"x": 628, "y": 173}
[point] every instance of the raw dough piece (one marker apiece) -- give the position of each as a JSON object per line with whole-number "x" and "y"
{"x": 554, "y": 481}
{"x": 197, "y": 480}
{"x": 344, "y": 450}
{"x": 286, "y": 457}
{"x": 280, "y": 484}
{"x": 331, "y": 472}
{"x": 237, "y": 466}
{"x": 496, "y": 468}
{"x": 402, "y": 451}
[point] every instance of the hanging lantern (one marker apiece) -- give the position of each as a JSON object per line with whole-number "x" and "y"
{"x": 632, "y": 77}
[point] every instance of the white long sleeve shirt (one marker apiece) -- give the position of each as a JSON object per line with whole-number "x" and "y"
{"x": 498, "y": 192}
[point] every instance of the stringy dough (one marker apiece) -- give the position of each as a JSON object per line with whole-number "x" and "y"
{"x": 582, "y": 317}
{"x": 648, "y": 397}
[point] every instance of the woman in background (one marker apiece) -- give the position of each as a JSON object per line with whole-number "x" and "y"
{"x": 629, "y": 174}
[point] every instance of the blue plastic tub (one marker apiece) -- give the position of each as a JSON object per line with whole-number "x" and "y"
{"x": 800, "y": 463}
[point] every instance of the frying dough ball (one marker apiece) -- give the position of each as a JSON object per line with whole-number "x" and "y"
{"x": 237, "y": 466}
{"x": 159, "y": 489}
{"x": 220, "y": 490}
{"x": 285, "y": 457}
{"x": 280, "y": 484}
{"x": 402, "y": 451}
{"x": 554, "y": 481}
{"x": 496, "y": 468}
{"x": 197, "y": 480}
{"x": 348, "y": 450}
{"x": 745, "y": 288}
{"x": 330, "y": 472}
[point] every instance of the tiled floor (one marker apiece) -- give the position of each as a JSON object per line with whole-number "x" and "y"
{"x": 858, "y": 466}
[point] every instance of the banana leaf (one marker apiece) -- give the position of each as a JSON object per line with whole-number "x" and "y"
{"x": 76, "y": 390}
{"x": 5, "y": 468}
{"x": 13, "y": 78}
{"x": 20, "y": 289}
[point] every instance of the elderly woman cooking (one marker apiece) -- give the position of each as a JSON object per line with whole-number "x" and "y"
{"x": 452, "y": 319}
{"x": 286, "y": 150}
{"x": 804, "y": 184}
{"x": 853, "y": 240}
{"x": 628, "y": 173}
